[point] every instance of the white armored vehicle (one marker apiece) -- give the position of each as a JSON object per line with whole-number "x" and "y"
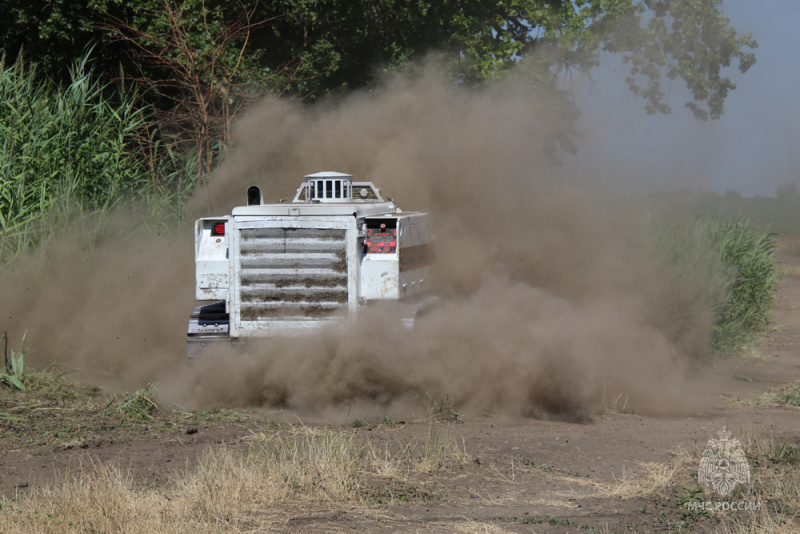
{"x": 289, "y": 268}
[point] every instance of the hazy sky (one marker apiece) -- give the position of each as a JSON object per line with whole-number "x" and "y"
{"x": 753, "y": 148}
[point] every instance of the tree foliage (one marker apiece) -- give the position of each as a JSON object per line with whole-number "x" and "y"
{"x": 198, "y": 61}
{"x": 56, "y": 33}
{"x": 192, "y": 59}
{"x": 343, "y": 43}
{"x": 688, "y": 39}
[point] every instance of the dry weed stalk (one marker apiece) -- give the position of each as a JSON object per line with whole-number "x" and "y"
{"x": 617, "y": 405}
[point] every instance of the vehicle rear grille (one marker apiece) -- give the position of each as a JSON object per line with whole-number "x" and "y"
{"x": 291, "y": 273}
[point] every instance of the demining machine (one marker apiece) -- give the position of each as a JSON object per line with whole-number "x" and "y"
{"x": 291, "y": 268}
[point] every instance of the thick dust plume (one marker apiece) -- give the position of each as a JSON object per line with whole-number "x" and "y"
{"x": 110, "y": 311}
{"x": 554, "y": 302}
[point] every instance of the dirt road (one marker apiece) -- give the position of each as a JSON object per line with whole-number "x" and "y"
{"x": 614, "y": 472}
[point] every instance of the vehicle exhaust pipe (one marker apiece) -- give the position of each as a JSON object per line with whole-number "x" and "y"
{"x": 254, "y": 196}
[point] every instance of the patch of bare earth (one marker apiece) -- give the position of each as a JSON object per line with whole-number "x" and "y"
{"x": 259, "y": 471}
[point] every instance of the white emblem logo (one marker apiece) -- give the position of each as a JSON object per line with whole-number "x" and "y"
{"x": 724, "y": 464}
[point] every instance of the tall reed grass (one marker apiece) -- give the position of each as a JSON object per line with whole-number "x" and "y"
{"x": 78, "y": 151}
{"x": 729, "y": 268}
{"x": 748, "y": 256}
{"x": 69, "y": 145}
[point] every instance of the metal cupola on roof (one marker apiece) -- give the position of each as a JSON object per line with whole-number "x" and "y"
{"x": 328, "y": 187}
{"x": 336, "y": 187}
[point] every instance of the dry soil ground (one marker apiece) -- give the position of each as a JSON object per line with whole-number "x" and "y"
{"x": 615, "y": 472}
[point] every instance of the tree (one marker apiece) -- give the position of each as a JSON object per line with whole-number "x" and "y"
{"x": 687, "y": 39}
{"x": 55, "y": 34}
{"x": 191, "y": 58}
{"x": 337, "y": 45}
{"x": 199, "y": 60}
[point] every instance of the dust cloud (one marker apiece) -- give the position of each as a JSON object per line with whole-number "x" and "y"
{"x": 554, "y": 303}
{"x": 112, "y": 313}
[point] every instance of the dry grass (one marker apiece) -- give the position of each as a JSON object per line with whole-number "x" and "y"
{"x": 649, "y": 479}
{"x": 555, "y": 502}
{"x": 755, "y": 523}
{"x": 99, "y": 498}
{"x": 323, "y": 468}
{"x": 775, "y": 484}
{"x": 787, "y": 394}
{"x": 476, "y": 527}
{"x": 297, "y": 471}
{"x": 791, "y": 271}
{"x": 614, "y": 404}
{"x": 437, "y": 449}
